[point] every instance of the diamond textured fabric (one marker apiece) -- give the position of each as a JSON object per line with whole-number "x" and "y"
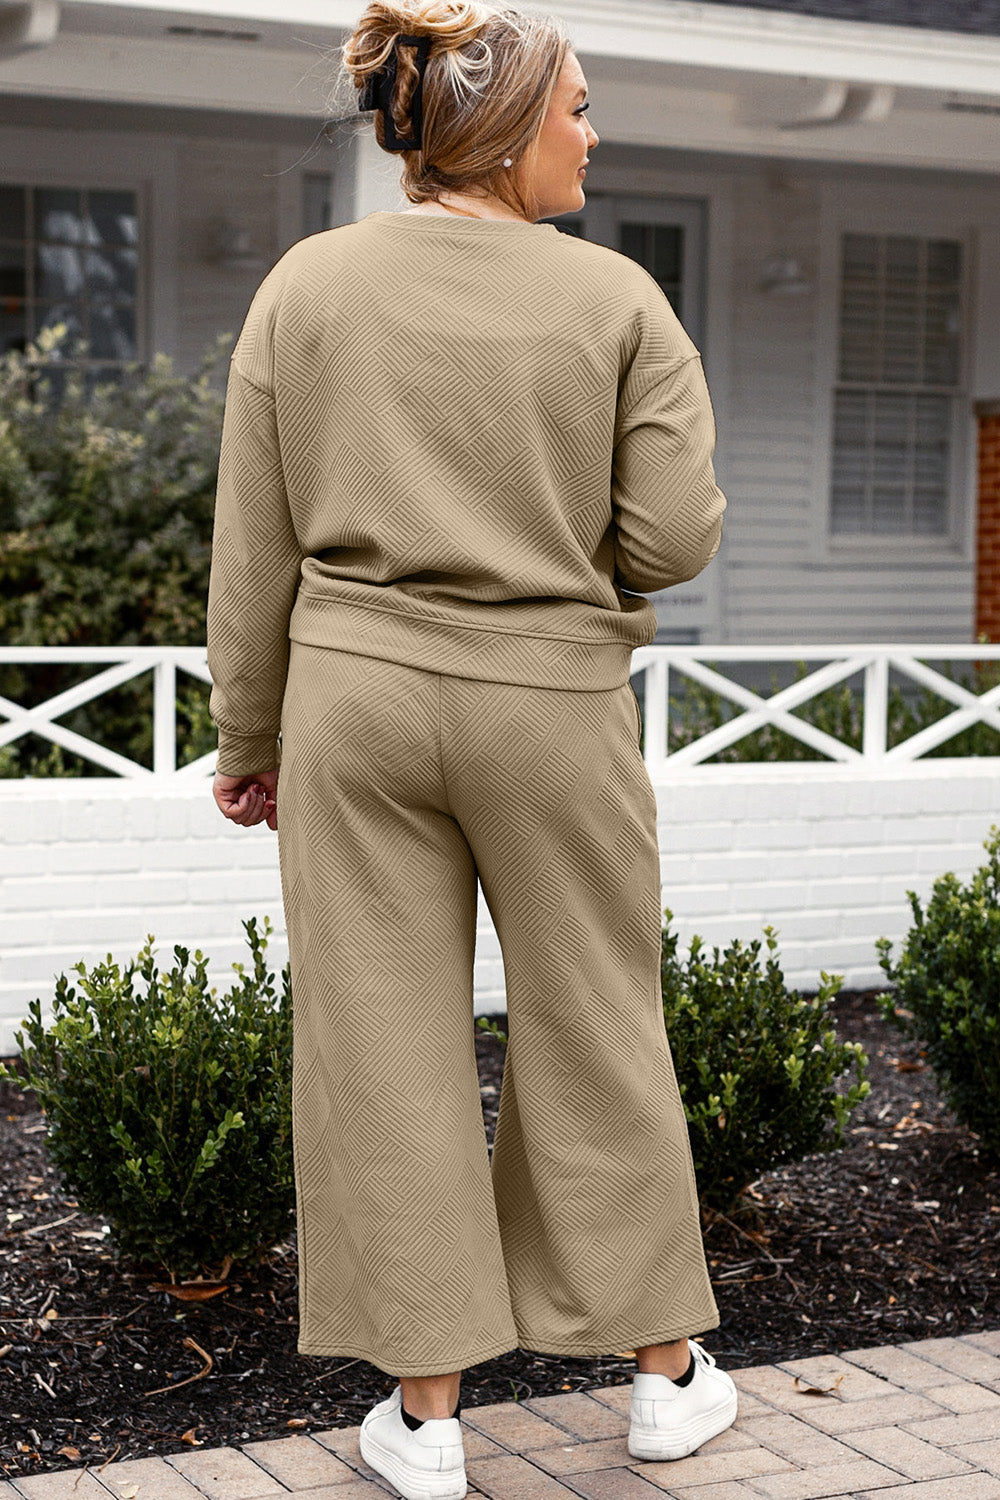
{"x": 454, "y": 444}
{"x": 399, "y": 788}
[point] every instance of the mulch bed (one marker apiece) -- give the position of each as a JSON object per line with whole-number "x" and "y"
{"x": 893, "y": 1238}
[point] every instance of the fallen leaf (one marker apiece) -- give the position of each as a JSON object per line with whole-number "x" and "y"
{"x": 190, "y": 1291}
{"x": 297, "y": 1422}
{"x": 189, "y": 1437}
{"x": 818, "y": 1390}
{"x": 68, "y": 1451}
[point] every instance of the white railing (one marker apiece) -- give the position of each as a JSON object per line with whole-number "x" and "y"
{"x": 658, "y": 665}
{"x": 121, "y": 664}
{"x": 835, "y": 664}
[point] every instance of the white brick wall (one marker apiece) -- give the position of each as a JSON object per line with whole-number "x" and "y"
{"x": 825, "y": 856}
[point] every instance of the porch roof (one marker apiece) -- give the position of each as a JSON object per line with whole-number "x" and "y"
{"x": 753, "y": 78}
{"x": 979, "y": 16}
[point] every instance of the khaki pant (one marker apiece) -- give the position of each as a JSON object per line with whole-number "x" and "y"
{"x": 416, "y": 1252}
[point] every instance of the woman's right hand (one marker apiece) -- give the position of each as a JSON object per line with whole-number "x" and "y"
{"x": 248, "y": 800}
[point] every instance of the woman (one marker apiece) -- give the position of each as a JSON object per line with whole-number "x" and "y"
{"x": 453, "y": 437}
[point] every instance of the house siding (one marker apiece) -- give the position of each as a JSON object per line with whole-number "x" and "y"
{"x": 768, "y": 357}
{"x": 221, "y": 179}
{"x": 783, "y": 582}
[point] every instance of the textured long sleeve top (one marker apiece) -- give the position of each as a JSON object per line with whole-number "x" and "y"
{"x": 455, "y": 444}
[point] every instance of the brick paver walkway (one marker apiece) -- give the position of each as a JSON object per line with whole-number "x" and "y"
{"x": 918, "y": 1421}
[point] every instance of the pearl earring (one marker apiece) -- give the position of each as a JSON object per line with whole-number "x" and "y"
{"x": 508, "y": 162}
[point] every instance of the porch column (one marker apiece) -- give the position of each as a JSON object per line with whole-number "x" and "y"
{"x": 988, "y": 522}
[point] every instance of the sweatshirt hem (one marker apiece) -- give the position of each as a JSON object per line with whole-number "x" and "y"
{"x": 465, "y": 650}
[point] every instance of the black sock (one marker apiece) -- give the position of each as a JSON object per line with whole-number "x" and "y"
{"x": 414, "y": 1422}
{"x": 688, "y": 1375}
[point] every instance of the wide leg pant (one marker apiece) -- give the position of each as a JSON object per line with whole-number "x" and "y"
{"x": 416, "y": 1252}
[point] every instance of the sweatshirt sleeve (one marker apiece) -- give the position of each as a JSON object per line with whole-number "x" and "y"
{"x": 256, "y": 562}
{"x": 667, "y": 506}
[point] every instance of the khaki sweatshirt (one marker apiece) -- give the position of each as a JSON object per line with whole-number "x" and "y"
{"x": 452, "y": 443}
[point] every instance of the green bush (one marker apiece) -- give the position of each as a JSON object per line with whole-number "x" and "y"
{"x": 945, "y": 990}
{"x": 757, "y": 1064}
{"x": 107, "y": 496}
{"x": 169, "y": 1108}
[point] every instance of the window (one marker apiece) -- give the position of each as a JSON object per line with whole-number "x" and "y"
{"x": 897, "y": 396}
{"x": 660, "y": 248}
{"x": 69, "y": 255}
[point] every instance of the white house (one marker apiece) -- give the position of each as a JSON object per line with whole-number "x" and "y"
{"x": 814, "y": 182}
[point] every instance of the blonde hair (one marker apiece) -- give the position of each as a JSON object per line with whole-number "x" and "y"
{"x": 488, "y": 80}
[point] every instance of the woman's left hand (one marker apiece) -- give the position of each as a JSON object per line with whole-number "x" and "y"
{"x": 248, "y": 800}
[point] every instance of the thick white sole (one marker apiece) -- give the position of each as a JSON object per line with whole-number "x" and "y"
{"x": 649, "y": 1443}
{"x": 412, "y": 1483}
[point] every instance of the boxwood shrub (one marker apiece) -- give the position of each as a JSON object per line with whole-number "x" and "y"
{"x": 945, "y": 990}
{"x": 169, "y": 1106}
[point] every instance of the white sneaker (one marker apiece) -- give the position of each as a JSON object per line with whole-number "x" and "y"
{"x": 426, "y": 1464}
{"x": 671, "y": 1421}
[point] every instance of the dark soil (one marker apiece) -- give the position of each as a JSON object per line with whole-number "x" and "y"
{"x": 895, "y": 1237}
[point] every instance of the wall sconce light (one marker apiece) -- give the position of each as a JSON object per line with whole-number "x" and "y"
{"x": 231, "y": 247}
{"x": 783, "y": 276}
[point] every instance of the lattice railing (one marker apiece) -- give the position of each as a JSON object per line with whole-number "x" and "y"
{"x": 662, "y": 670}
{"x": 120, "y": 665}
{"x": 661, "y": 666}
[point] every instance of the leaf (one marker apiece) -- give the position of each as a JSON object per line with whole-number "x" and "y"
{"x": 818, "y": 1390}
{"x": 189, "y": 1437}
{"x": 190, "y": 1291}
{"x": 68, "y": 1451}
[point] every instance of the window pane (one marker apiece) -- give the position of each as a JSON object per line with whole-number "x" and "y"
{"x": 59, "y": 215}
{"x": 112, "y": 331}
{"x": 660, "y": 249}
{"x": 902, "y": 259}
{"x": 114, "y": 218}
{"x": 112, "y": 272}
{"x": 12, "y": 213}
{"x": 58, "y": 272}
{"x": 889, "y": 511}
{"x": 13, "y": 274}
{"x": 928, "y": 514}
{"x": 891, "y": 463}
{"x": 13, "y": 329}
{"x": 47, "y": 316}
{"x": 944, "y": 262}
